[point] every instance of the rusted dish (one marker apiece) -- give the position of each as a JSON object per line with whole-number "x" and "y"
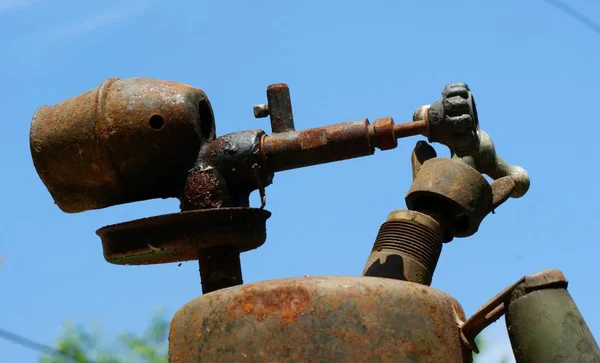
{"x": 320, "y": 319}
{"x": 182, "y": 236}
{"x": 124, "y": 141}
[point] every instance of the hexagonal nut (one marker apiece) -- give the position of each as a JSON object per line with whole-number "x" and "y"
{"x": 384, "y": 133}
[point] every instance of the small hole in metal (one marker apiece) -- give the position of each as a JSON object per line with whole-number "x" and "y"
{"x": 206, "y": 119}
{"x": 157, "y": 122}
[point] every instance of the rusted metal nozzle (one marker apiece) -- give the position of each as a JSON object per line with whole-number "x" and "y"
{"x": 127, "y": 140}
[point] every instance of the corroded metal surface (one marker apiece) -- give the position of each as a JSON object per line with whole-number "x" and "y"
{"x": 183, "y": 236}
{"x": 459, "y": 189}
{"x": 296, "y": 149}
{"x": 228, "y": 169}
{"x": 220, "y": 267}
{"x": 280, "y": 108}
{"x": 383, "y": 132}
{"x": 544, "y": 323}
{"x": 346, "y": 140}
{"x": 124, "y": 141}
{"x": 546, "y": 326}
{"x": 407, "y": 248}
{"x": 320, "y": 319}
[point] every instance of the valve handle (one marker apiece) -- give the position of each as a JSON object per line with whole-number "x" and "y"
{"x": 453, "y": 121}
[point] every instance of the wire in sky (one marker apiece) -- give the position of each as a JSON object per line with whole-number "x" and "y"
{"x": 572, "y": 12}
{"x": 28, "y": 343}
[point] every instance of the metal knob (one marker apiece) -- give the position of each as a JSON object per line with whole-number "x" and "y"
{"x": 261, "y": 111}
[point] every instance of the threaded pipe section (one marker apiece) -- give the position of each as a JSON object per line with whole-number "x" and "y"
{"x": 411, "y": 239}
{"x": 407, "y": 247}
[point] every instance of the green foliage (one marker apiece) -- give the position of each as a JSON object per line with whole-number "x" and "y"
{"x": 78, "y": 345}
{"x": 482, "y": 344}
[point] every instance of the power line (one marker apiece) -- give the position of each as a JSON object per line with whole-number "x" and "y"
{"x": 575, "y": 14}
{"x": 33, "y": 345}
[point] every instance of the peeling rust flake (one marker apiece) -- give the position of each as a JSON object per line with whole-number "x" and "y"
{"x": 285, "y": 303}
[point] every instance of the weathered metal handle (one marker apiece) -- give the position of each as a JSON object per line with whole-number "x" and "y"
{"x": 509, "y": 180}
{"x": 487, "y": 161}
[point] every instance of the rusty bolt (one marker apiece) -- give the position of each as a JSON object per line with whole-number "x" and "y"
{"x": 384, "y": 133}
{"x": 261, "y": 111}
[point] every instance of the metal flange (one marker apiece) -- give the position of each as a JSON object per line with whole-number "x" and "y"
{"x": 183, "y": 236}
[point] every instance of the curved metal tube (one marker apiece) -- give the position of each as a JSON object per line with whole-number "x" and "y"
{"x": 487, "y": 161}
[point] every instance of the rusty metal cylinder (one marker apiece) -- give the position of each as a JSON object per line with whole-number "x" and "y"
{"x": 407, "y": 248}
{"x": 545, "y": 325}
{"x": 280, "y": 108}
{"x": 320, "y": 319}
{"x": 296, "y": 149}
{"x": 220, "y": 267}
{"x": 124, "y": 141}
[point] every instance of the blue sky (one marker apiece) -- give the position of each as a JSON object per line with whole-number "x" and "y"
{"x": 533, "y": 70}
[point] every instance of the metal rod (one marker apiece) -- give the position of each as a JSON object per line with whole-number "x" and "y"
{"x": 411, "y": 129}
{"x": 280, "y": 108}
{"x": 347, "y": 140}
{"x": 220, "y": 267}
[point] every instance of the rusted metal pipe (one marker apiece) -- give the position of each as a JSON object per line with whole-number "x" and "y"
{"x": 280, "y": 108}
{"x": 220, "y": 267}
{"x": 296, "y": 149}
{"x": 419, "y": 127}
{"x": 407, "y": 248}
{"x": 347, "y": 140}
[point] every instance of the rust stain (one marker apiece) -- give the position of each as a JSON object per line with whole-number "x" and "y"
{"x": 433, "y": 309}
{"x": 248, "y": 305}
{"x": 285, "y": 303}
{"x": 312, "y": 138}
{"x": 320, "y": 319}
{"x": 204, "y": 189}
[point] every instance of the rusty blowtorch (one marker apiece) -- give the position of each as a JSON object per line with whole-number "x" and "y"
{"x": 135, "y": 139}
